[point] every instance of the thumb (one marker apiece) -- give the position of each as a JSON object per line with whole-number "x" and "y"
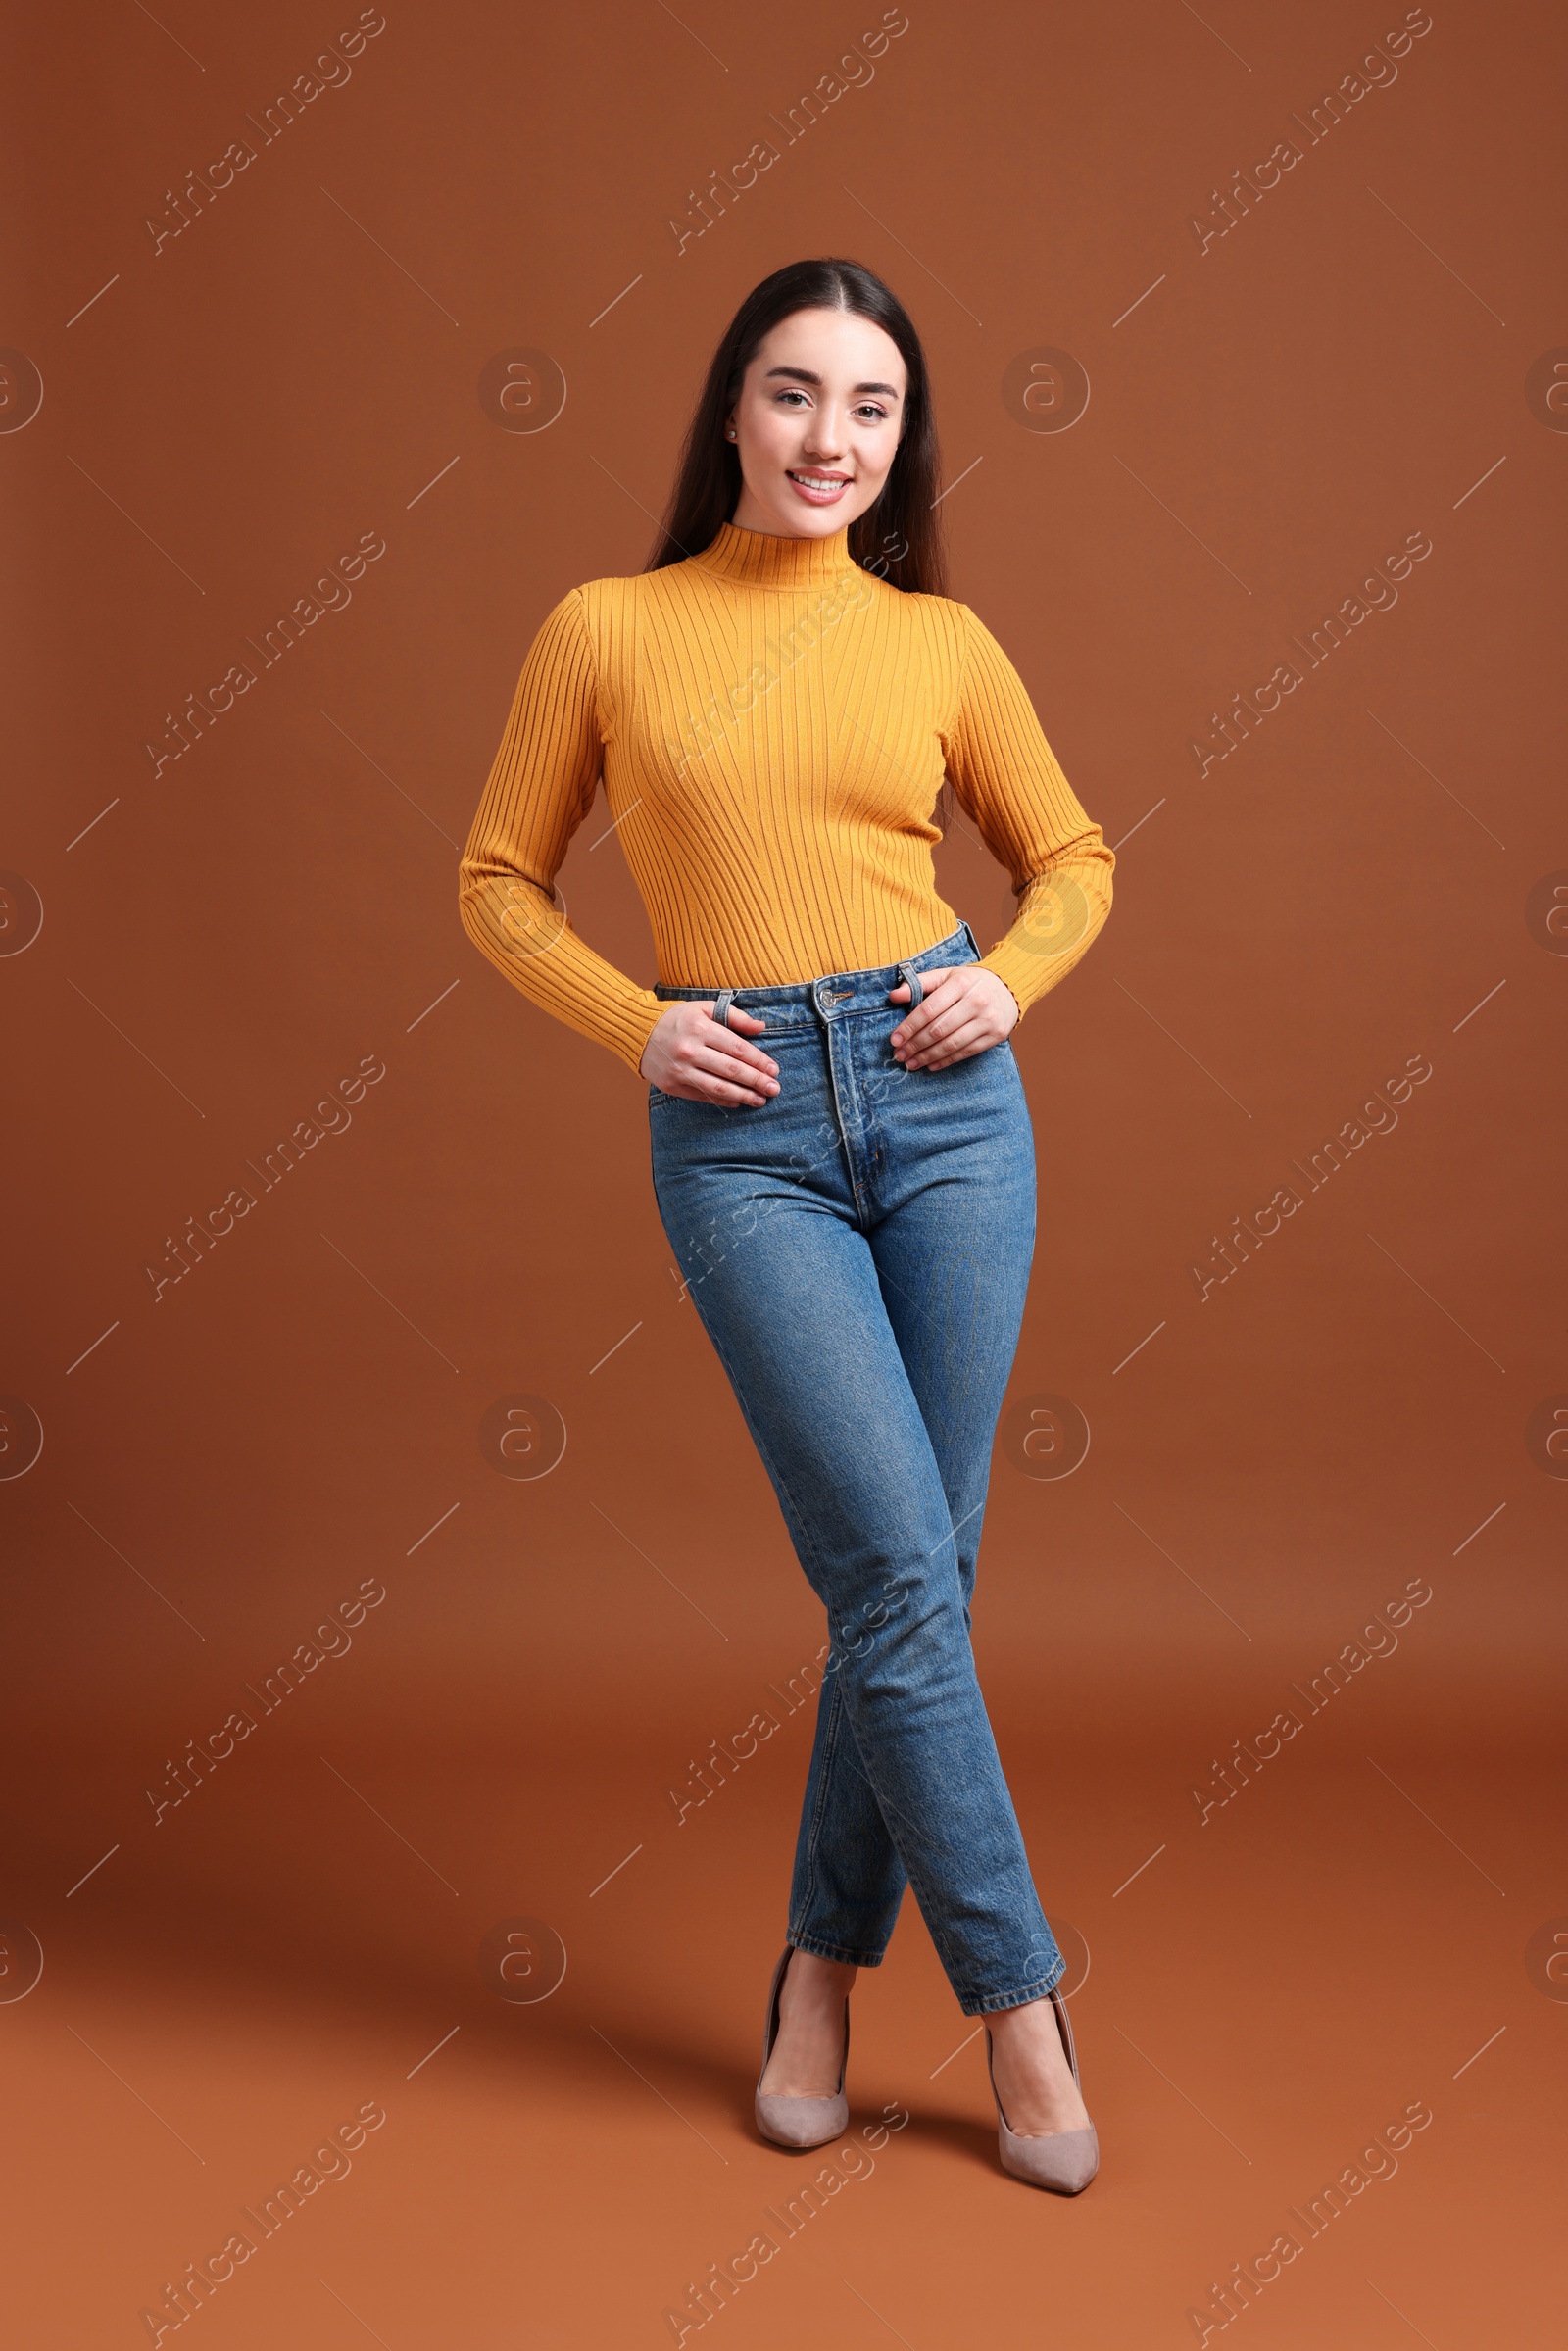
{"x": 928, "y": 980}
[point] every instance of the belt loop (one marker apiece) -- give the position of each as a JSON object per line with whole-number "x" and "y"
{"x": 909, "y": 974}
{"x": 726, "y": 996}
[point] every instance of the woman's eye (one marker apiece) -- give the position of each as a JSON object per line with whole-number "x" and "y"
{"x": 868, "y": 412}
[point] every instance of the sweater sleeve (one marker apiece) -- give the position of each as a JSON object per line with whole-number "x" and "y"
{"x": 541, "y": 786}
{"x": 1007, "y": 778}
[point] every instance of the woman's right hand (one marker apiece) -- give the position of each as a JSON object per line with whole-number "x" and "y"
{"x": 688, "y": 1054}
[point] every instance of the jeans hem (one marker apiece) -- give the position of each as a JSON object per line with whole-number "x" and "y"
{"x": 818, "y": 1949}
{"x": 992, "y": 2002}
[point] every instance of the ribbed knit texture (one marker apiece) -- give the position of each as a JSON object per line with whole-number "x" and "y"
{"x": 772, "y": 726}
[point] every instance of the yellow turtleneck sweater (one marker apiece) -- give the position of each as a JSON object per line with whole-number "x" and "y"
{"x": 772, "y": 726}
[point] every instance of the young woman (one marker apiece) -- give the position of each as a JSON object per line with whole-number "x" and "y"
{"x": 842, "y": 1151}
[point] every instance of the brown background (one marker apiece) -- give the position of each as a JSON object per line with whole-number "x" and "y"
{"x": 225, "y": 417}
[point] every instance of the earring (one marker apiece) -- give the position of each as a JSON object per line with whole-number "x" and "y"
{"x": 732, "y": 432}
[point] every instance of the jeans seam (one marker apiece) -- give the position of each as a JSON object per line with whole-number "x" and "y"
{"x": 815, "y": 1833}
{"x": 989, "y": 2003}
{"x": 856, "y": 1189}
{"x": 820, "y": 1949}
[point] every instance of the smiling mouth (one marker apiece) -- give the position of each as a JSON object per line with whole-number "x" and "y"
{"x": 818, "y": 489}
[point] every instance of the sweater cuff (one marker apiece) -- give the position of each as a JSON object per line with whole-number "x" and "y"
{"x": 1057, "y": 921}
{"x": 635, "y": 1026}
{"x": 992, "y": 962}
{"x": 1029, "y": 971}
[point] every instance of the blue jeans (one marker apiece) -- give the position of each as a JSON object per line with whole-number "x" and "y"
{"x": 859, "y": 1251}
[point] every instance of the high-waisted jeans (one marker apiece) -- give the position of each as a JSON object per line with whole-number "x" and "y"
{"x": 859, "y": 1251}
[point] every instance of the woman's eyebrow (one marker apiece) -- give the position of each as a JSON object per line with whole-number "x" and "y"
{"x": 806, "y": 375}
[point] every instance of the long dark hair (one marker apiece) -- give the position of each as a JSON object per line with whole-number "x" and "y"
{"x": 899, "y": 537}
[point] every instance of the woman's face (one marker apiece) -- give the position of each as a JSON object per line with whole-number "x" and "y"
{"x": 816, "y": 424}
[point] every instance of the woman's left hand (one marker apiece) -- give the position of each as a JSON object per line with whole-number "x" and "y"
{"x": 965, "y": 1010}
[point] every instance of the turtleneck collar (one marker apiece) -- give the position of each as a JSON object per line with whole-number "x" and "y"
{"x": 754, "y": 559}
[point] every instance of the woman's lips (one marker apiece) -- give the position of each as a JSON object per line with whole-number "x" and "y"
{"x": 809, "y": 487}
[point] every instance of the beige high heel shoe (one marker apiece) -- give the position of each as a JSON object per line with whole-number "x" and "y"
{"x": 790, "y": 2122}
{"x": 1064, "y": 2161}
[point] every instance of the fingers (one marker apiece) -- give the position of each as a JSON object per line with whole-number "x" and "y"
{"x": 975, "y": 1036}
{"x": 696, "y": 1086}
{"x": 914, "y": 1034}
{"x": 726, "y": 1040}
{"x": 902, "y": 994}
{"x": 968, "y": 1012}
{"x": 956, "y": 1021}
{"x": 729, "y": 1075}
{"x": 935, "y": 1001}
{"x": 722, "y": 1093}
{"x": 710, "y": 1038}
{"x": 722, "y": 1072}
{"x": 690, "y": 1057}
